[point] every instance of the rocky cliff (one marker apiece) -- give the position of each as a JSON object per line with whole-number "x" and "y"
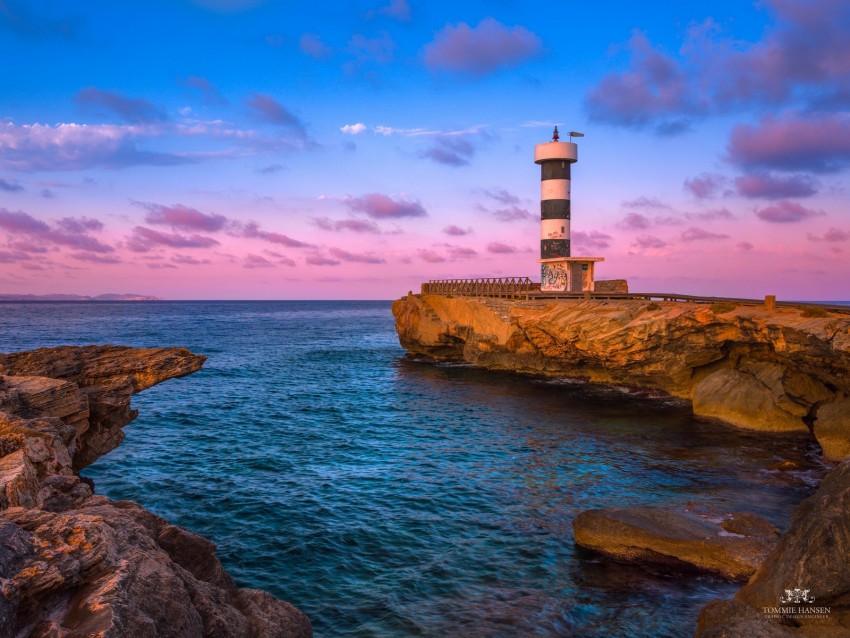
{"x": 77, "y": 564}
{"x": 803, "y": 586}
{"x": 780, "y": 370}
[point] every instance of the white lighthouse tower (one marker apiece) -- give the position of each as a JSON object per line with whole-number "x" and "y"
{"x": 559, "y": 271}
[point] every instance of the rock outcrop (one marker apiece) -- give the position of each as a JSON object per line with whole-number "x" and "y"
{"x": 77, "y": 564}
{"x": 773, "y": 370}
{"x": 813, "y": 558}
{"x": 730, "y": 544}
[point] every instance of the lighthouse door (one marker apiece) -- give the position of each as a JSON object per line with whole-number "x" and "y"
{"x": 575, "y": 277}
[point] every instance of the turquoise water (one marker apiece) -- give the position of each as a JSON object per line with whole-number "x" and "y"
{"x": 388, "y": 497}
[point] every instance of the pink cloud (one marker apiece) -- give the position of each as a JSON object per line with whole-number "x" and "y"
{"x": 819, "y": 143}
{"x": 787, "y": 212}
{"x": 95, "y": 258}
{"x": 801, "y": 56}
{"x": 645, "y": 202}
{"x": 700, "y": 234}
{"x": 28, "y": 247}
{"x": 79, "y": 224}
{"x": 188, "y": 260}
{"x": 511, "y": 214}
{"x": 430, "y": 256}
{"x": 319, "y": 260}
{"x": 461, "y": 252}
{"x": 13, "y": 257}
{"x": 281, "y": 259}
{"x": 502, "y": 196}
{"x": 10, "y": 186}
{"x": 832, "y": 235}
{"x": 363, "y": 258}
{"x": 635, "y": 221}
{"x": 252, "y": 230}
{"x": 397, "y": 9}
{"x": 593, "y": 239}
{"x": 452, "y": 151}
{"x": 482, "y": 49}
{"x": 312, "y": 45}
{"x": 144, "y": 239}
{"x": 655, "y": 90}
{"x": 131, "y": 110}
{"x": 207, "y": 89}
{"x": 269, "y": 110}
{"x": 183, "y": 217}
{"x": 705, "y": 186}
{"x": 354, "y": 225}
{"x": 71, "y": 232}
{"x": 717, "y": 213}
{"x": 500, "y": 248}
{"x": 256, "y": 261}
{"x": 456, "y": 231}
{"x": 20, "y": 222}
{"x": 744, "y": 246}
{"x": 648, "y": 241}
{"x": 379, "y": 206}
{"x": 771, "y": 187}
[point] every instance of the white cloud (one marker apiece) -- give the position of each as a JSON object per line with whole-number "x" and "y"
{"x": 353, "y": 129}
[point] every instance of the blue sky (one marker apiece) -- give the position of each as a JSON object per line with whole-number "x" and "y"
{"x": 269, "y": 149}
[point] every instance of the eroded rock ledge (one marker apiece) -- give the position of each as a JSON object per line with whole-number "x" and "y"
{"x": 772, "y": 370}
{"x": 77, "y": 564}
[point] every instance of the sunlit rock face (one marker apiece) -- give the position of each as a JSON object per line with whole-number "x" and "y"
{"x": 729, "y": 544}
{"x": 75, "y": 563}
{"x": 770, "y": 370}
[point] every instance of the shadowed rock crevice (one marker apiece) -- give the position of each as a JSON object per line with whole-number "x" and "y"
{"x": 77, "y": 564}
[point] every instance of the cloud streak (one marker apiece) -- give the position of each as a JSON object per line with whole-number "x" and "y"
{"x": 380, "y": 206}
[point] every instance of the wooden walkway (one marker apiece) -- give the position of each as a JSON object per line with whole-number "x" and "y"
{"x": 524, "y": 288}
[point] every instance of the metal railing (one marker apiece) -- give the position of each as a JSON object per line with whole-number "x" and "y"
{"x": 523, "y": 287}
{"x": 482, "y": 287}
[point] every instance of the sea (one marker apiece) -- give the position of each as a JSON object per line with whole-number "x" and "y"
{"x": 390, "y": 497}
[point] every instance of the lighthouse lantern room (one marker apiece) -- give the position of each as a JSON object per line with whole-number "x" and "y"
{"x": 559, "y": 272}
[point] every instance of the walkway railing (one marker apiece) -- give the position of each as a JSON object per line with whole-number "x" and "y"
{"x": 482, "y": 287}
{"x": 523, "y": 287}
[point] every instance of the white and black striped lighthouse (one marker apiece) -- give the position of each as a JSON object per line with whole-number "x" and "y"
{"x": 555, "y": 158}
{"x": 559, "y": 271}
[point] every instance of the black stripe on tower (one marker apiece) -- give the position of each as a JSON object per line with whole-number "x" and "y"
{"x": 553, "y": 248}
{"x": 554, "y": 169}
{"x": 554, "y": 209}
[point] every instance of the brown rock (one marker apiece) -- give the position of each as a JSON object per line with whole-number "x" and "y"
{"x": 813, "y": 556}
{"x": 832, "y": 429}
{"x": 729, "y": 544}
{"x": 99, "y": 378}
{"x": 74, "y": 564}
{"x": 771, "y": 370}
{"x": 742, "y": 400}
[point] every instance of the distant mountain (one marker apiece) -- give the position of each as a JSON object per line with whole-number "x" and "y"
{"x": 106, "y": 297}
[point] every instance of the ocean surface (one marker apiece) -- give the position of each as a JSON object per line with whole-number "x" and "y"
{"x": 389, "y": 497}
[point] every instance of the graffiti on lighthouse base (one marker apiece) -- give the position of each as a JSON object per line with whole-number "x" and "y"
{"x": 554, "y": 277}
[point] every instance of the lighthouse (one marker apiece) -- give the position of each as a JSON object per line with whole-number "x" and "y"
{"x": 559, "y": 271}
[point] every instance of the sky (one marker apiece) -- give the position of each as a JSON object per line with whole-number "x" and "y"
{"x": 271, "y": 149}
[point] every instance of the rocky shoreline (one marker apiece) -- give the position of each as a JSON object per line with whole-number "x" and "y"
{"x": 73, "y": 563}
{"x": 785, "y": 369}
{"x": 779, "y": 370}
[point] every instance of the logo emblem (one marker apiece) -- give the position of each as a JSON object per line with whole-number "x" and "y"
{"x": 796, "y": 596}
